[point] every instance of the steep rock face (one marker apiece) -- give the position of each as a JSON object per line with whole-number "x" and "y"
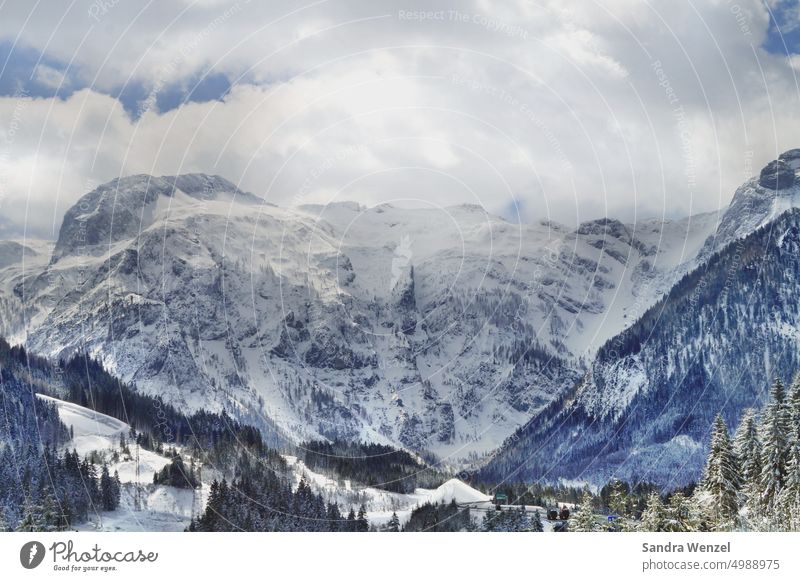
{"x": 777, "y": 175}
{"x": 441, "y": 331}
{"x": 644, "y": 409}
{"x": 115, "y": 211}
{"x": 755, "y": 204}
{"x": 18, "y": 260}
{"x": 119, "y": 210}
{"x": 792, "y": 158}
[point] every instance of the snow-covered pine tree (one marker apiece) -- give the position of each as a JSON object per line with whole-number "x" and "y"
{"x": 788, "y": 517}
{"x": 619, "y": 503}
{"x": 721, "y": 480}
{"x": 654, "y": 517}
{"x": 521, "y": 521}
{"x": 584, "y": 521}
{"x": 747, "y": 447}
{"x": 107, "y": 489}
{"x": 681, "y": 514}
{"x": 491, "y": 521}
{"x": 775, "y": 432}
{"x": 536, "y": 523}
{"x": 793, "y": 401}
{"x": 789, "y": 500}
{"x": 362, "y": 524}
{"x": 51, "y": 514}
{"x": 334, "y": 517}
{"x": 32, "y": 520}
{"x": 394, "y": 524}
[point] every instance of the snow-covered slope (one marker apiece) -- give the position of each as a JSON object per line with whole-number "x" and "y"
{"x": 437, "y": 330}
{"x": 381, "y": 504}
{"x": 19, "y": 259}
{"x": 645, "y": 409}
{"x": 161, "y": 508}
{"x": 753, "y": 206}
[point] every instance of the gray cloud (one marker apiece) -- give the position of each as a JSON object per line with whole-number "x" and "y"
{"x": 576, "y": 109}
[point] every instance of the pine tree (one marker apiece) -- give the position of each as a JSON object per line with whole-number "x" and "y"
{"x": 681, "y": 515}
{"x": 619, "y": 503}
{"x": 51, "y": 515}
{"x": 334, "y": 517}
{"x": 584, "y": 521}
{"x": 32, "y": 518}
{"x": 618, "y": 499}
{"x": 794, "y": 405}
{"x": 509, "y": 520}
{"x": 721, "y": 480}
{"x": 789, "y": 499}
{"x": 788, "y": 516}
{"x": 775, "y": 452}
{"x": 362, "y": 525}
{"x": 520, "y": 520}
{"x": 116, "y": 488}
{"x": 394, "y": 524}
{"x": 536, "y": 523}
{"x": 748, "y": 450}
{"x": 654, "y": 517}
{"x": 107, "y": 495}
{"x": 123, "y": 445}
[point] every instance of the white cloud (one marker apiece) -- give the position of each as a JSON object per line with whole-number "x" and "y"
{"x": 556, "y": 104}
{"x": 50, "y": 77}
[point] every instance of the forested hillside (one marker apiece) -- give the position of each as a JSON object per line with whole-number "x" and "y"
{"x": 42, "y": 488}
{"x": 712, "y": 345}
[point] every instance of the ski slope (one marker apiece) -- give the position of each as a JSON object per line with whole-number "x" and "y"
{"x": 163, "y": 508}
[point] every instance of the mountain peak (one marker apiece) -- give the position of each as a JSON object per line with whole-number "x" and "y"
{"x": 759, "y": 201}
{"x": 207, "y": 187}
{"x": 777, "y": 175}
{"x": 120, "y": 209}
{"x": 791, "y": 157}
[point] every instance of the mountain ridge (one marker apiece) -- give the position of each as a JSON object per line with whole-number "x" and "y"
{"x": 636, "y": 414}
{"x": 440, "y": 331}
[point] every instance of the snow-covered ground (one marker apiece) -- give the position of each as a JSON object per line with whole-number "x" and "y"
{"x": 161, "y": 508}
{"x": 166, "y": 508}
{"x": 380, "y": 504}
{"x": 96, "y": 432}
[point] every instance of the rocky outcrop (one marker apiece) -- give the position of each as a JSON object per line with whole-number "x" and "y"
{"x": 777, "y": 175}
{"x": 791, "y": 157}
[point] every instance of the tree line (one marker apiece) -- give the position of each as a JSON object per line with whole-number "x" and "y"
{"x": 751, "y": 480}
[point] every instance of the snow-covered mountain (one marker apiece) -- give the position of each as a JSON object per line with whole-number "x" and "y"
{"x": 758, "y": 201}
{"x": 437, "y": 330}
{"x": 19, "y": 259}
{"x": 644, "y": 410}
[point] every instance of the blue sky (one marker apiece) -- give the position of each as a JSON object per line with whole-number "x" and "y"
{"x": 784, "y": 30}
{"x": 19, "y": 64}
{"x": 27, "y": 69}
